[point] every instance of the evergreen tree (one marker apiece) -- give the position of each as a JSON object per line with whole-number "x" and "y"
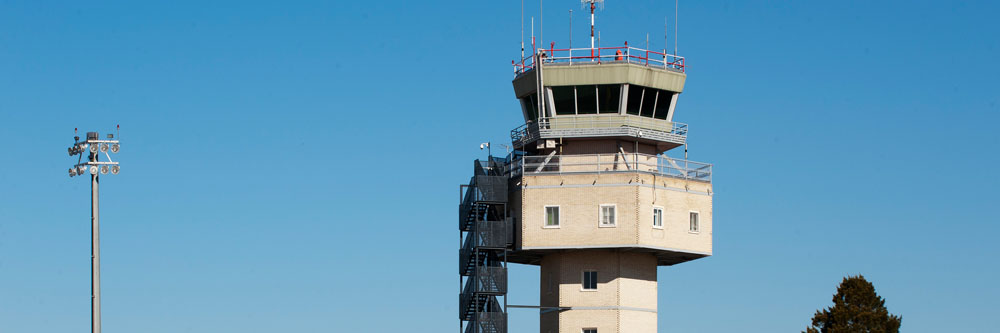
{"x": 856, "y": 309}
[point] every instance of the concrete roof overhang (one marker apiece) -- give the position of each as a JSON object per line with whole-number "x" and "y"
{"x": 601, "y": 73}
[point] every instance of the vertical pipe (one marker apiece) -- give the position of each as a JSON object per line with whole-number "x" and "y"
{"x": 676, "y": 6}
{"x": 95, "y": 257}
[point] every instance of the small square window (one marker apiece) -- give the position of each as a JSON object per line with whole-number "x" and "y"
{"x": 693, "y": 226}
{"x": 551, "y": 216}
{"x": 589, "y": 330}
{"x": 657, "y": 217}
{"x": 607, "y": 215}
{"x": 590, "y": 280}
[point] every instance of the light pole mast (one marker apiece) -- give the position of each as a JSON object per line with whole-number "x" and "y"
{"x": 95, "y": 254}
{"x": 95, "y": 146}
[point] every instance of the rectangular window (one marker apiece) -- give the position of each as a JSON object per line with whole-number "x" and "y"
{"x": 608, "y": 96}
{"x": 663, "y": 104}
{"x": 590, "y": 280}
{"x": 565, "y": 100}
{"x": 551, "y": 216}
{"x": 530, "y": 106}
{"x": 607, "y": 215}
{"x": 657, "y": 217}
{"x": 634, "y": 99}
{"x": 693, "y": 227}
{"x": 648, "y": 102}
{"x": 589, "y": 330}
{"x": 586, "y": 99}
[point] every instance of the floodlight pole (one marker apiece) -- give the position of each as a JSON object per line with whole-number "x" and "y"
{"x": 95, "y": 254}
{"x": 95, "y": 166}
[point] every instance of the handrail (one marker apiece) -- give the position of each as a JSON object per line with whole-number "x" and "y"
{"x": 617, "y": 54}
{"x": 660, "y": 165}
{"x": 612, "y": 120}
{"x": 551, "y": 125}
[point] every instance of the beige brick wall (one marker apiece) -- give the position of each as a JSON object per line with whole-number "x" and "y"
{"x": 579, "y": 197}
{"x": 625, "y": 280}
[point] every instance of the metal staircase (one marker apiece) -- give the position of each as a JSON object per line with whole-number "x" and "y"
{"x": 486, "y": 235}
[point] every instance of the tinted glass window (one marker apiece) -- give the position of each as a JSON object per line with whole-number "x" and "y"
{"x": 634, "y": 97}
{"x": 586, "y": 99}
{"x": 590, "y": 280}
{"x": 530, "y": 106}
{"x": 609, "y": 96}
{"x": 564, "y": 99}
{"x": 663, "y": 104}
{"x": 648, "y": 100}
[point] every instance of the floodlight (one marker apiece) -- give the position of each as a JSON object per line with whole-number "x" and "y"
{"x": 93, "y": 169}
{"x": 114, "y": 148}
{"x": 72, "y": 172}
{"x": 104, "y": 169}
{"x": 80, "y": 170}
{"x": 115, "y": 169}
{"x": 104, "y": 147}
{"x": 70, "y": 151}
{"x": 93, "y": 148}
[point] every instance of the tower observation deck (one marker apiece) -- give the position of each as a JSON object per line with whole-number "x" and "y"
{"x": 589, "y": 194}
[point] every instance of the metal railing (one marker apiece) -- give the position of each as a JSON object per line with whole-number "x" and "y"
{"x": 660, "y": 165}
{"x": 600, "y": 125}
{"x": 620, "y": 54}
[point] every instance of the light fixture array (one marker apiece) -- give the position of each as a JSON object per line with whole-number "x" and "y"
{"x": 95, "y": 147}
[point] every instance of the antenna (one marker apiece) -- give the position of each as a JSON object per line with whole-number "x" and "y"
{"x": 522, "y": 29}
{"x": 676, "y": 6}
{"x": 593, "y": 4}
{"x": 571, "y": 30}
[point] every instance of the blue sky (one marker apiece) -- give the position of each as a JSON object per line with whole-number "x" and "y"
{"x": 294, "y": 166}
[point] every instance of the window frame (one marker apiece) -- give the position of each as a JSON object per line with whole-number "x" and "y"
{"x": 614, "y": 216}
{"x": 660, "y": 209}
{"x": 545, "y": 217}
{"x": 583, "y": 280}
{"x": 697, "y": 222}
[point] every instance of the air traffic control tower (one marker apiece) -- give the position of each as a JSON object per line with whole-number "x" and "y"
{"x": 589, "y": 194}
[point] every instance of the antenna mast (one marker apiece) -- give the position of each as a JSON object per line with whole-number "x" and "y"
{"x": 593, "y": 4}
{"x": 522, "y": 29}
{"x": 676, "y": 5}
